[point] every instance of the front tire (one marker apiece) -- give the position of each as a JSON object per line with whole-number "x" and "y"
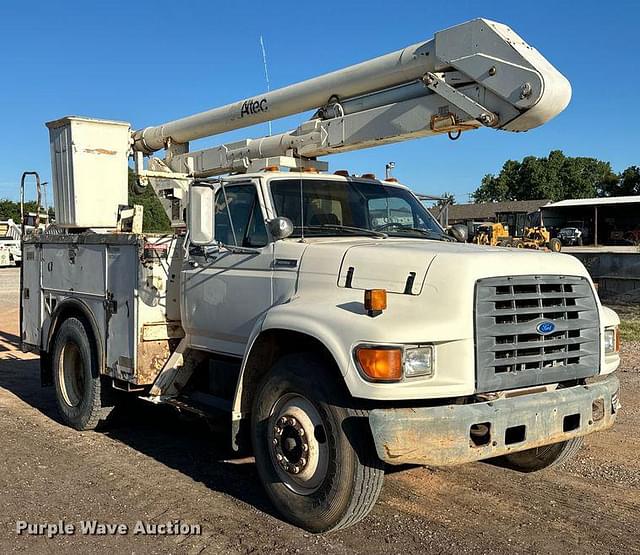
{"x": 81, "y": 398}
{"x": 539, "y": 458}
{"x": 313, "y": 449}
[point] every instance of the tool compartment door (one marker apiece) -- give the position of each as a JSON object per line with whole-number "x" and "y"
{"x": 121, "y": 311}
{"x": 31, "y": 296}
{"x": 79, "y": 269}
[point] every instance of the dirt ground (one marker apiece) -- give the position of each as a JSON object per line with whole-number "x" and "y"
{"x": 156, "y": 466}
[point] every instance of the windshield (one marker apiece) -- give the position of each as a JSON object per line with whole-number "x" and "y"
{"x": 331, "y": 207}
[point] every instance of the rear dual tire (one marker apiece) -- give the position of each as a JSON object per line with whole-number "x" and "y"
{"x": 82, "y": 395}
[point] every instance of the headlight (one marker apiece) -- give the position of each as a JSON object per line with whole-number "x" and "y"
{"x": 611, "y": 340}
{"x": 418, "y": 361}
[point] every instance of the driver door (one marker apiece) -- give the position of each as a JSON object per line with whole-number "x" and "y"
{"x": 226, "y": 292}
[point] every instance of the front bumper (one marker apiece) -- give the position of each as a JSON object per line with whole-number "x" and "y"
{"x": 441, "y": 436}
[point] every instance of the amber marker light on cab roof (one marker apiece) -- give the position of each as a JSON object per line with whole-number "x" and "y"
{"x": 375, "y": 301}
{"x": 380, "y": 364}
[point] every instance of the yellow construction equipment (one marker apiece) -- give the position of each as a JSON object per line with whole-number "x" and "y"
{"x": 493, "y": 234}
{"x": 537, "y": 237}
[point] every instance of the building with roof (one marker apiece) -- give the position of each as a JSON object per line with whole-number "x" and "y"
{"x": 604, "y": 221}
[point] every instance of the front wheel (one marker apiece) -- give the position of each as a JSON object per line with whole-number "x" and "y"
{"x": 82, "y": 399}
{"x": 532, "y": 460}
{"x": 314, "y": 451}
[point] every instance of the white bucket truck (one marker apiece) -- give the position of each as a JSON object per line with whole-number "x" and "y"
{"x": 328, "y": 315}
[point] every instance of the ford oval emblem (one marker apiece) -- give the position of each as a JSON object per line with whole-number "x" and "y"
{"x": 545, "y": 328}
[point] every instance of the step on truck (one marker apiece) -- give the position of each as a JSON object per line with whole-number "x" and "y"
{"x": 328, "y": 316}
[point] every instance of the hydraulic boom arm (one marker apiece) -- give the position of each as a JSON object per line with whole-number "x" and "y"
{"x": 479, "y": 73}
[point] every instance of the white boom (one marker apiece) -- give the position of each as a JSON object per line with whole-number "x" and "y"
{"x": 479, "y": 73}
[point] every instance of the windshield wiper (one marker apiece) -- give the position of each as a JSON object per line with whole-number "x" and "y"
{"x": 426, "y": 232}
{"x": 352, "y": 229}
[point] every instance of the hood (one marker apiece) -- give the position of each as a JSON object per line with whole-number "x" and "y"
{"x": 404, "y": 266}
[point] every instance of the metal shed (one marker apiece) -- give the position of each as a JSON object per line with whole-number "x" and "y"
{"x": 608, "y": 220}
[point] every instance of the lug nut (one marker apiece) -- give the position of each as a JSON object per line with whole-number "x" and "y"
{"x": 301, "y": 431}
{"x": 279, "y": 456}
{"x": 296, "y": 470}
{"x": 277, "y": 430}
{"x": 305, "y": 447}
{"x": 303, "y": 462}
{"x": 275, "y": 441}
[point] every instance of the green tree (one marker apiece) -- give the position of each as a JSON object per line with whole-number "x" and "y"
{"x": 446, "y": 199}
{"x": 555, "y": 177}
{"x": 628, "y": 183}
{"x": 154, "y": 217}
{"x": 10, "y": 209}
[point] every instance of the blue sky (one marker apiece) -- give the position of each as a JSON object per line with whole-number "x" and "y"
{"x": 149, "y": 62}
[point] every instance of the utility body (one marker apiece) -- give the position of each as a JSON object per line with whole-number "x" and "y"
{"x": 329, "y": 316}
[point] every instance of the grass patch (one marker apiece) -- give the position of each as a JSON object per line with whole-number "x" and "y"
{"x": 630, "y": 329}
{"x": 629, "y": 321}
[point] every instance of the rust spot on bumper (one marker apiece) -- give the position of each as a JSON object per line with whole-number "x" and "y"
{"x": 440, "y": 436}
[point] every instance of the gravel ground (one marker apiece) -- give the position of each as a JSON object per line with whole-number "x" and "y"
{"x": 152, "y": 465}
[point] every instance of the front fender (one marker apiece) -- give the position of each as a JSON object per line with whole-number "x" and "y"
{"x": 293, "y": 317}
{"x": 341, "y": 323}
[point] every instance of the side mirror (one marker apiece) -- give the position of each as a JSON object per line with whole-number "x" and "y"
{"x": 280, "y": 228}
{"x": 459, "y": 233}
{"x": 201, "y": 214}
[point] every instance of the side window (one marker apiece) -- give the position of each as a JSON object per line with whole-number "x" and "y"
{"x": 239, "y": 220}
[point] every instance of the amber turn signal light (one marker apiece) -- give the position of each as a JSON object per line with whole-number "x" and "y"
{"x": 375, "y": 301}
{"x": 380, "y": 364}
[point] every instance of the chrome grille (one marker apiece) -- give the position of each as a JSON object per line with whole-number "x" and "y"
{"x": 511, "y": 353}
